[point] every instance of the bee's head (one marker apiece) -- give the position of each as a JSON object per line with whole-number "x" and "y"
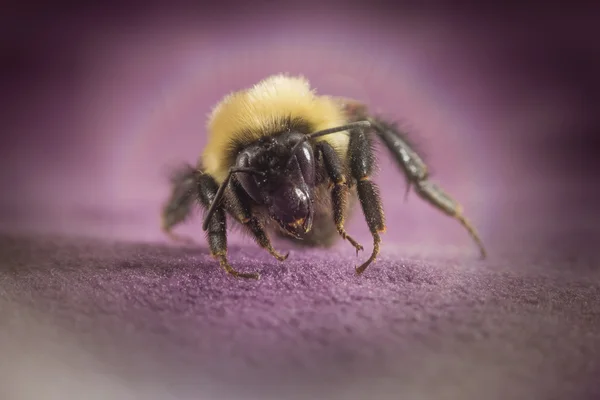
{"x": 284, "y": 185}
{"x": 279, "y": 172}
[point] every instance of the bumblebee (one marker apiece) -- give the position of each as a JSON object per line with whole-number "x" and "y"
{"x": 283, "y": 160}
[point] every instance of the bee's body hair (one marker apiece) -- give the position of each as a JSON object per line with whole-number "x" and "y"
{"x": 275, "y": 105}
{"x": 282, "y": 161}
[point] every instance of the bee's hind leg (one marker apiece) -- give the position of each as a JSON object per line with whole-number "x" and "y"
{"x": 181, "y": 202}
{"x": 417, "y": 174}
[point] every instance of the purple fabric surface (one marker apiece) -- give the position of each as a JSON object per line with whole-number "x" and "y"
{"x": 110, "y": 319}
{"x": 95, "y": 303}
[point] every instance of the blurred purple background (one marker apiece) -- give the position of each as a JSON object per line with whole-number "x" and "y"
{"x": 98, "y": 103}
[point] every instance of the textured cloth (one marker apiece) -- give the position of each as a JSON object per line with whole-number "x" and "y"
{"x": 96, "y": 318}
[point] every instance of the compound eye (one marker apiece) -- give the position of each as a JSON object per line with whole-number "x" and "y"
{"x": 248, "y": 181}
{"x": 306, "y": 160}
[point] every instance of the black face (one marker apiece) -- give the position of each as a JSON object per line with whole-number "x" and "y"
{"x": 286, "y": 188}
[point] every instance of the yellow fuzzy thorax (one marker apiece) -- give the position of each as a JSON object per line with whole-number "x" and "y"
{"x": 260, "y": 111}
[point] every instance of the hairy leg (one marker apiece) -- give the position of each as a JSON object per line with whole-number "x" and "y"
{"x": 216, "y": 232}
{"x": 417, "y": 174}
{"x": 362, "y": 160}
{"x": 413, "y": 166}
{"x": 181, "y": 201}
{"x": 339, "y": 193}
